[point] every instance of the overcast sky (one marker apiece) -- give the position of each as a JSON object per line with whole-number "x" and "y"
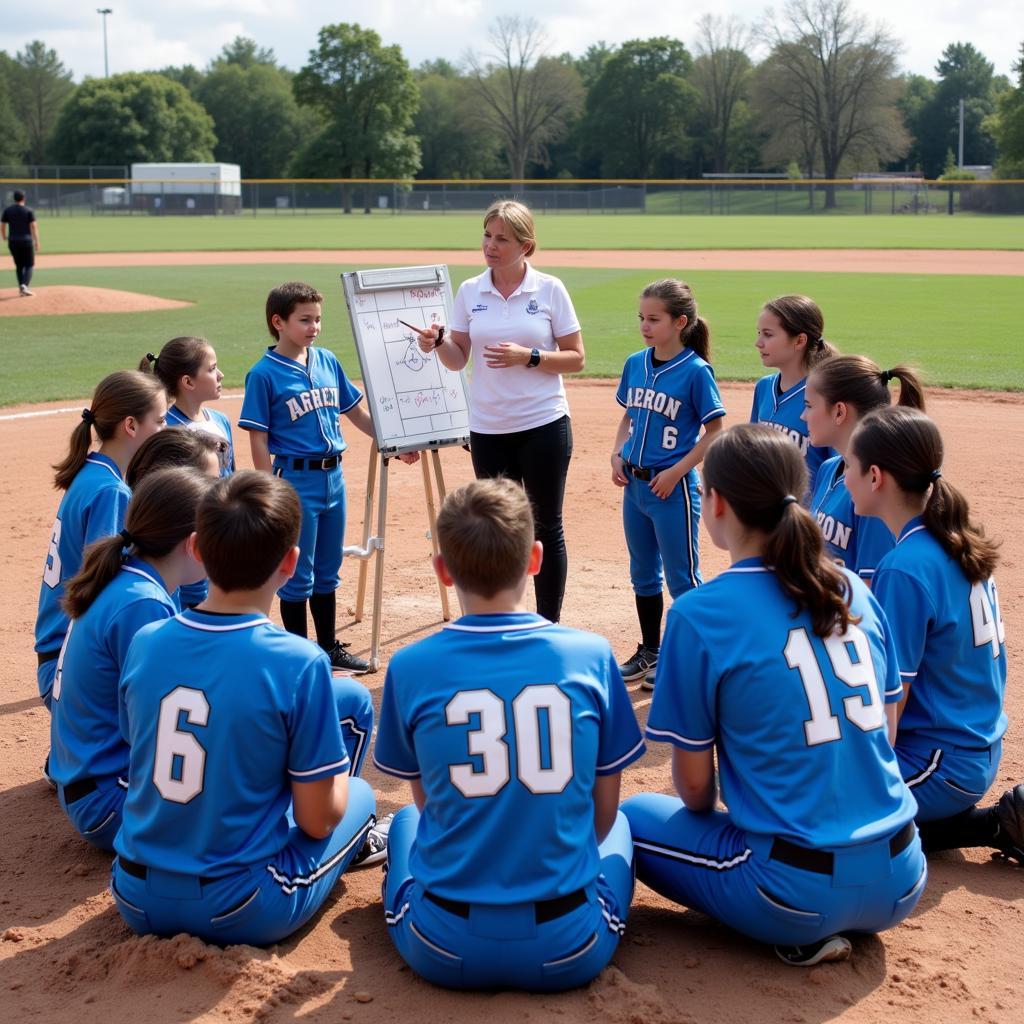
{"x": 144, "y": 35}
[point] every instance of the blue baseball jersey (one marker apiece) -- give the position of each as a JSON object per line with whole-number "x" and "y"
{"x": 857, "y": 542}
{"x": 798, "y": 722}
{"x": 507, "y": 742}
{"x": 213, "y": 422}
{"x": 92, "y": 508}
{"x": 781, "y": 410}
{"x": 667, "y": 406}
{"x": 298, "y": 406}
{"x": 85, "y": 740}
{"x": 222, "y": 713}
{"x": 950, "y": 642}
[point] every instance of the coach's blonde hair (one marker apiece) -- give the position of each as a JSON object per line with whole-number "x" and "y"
{"x": 485, "y": 531}
{"x": 518, "y": 219}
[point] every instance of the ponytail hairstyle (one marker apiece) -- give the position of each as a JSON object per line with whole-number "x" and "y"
{"x": 118, "y": 396}
{"x": 678, "y": 300}
{"x": 175, "y": 446}
{"x": 799, "y": 314}
{"x": 161, "y": 514}
{"x": 861, "y": 383}
{"x": 180, "y": 357}
{"x": 761, "y": 473}
{"x": 907, "y": 445}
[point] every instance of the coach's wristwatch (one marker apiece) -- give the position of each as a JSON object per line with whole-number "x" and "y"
{"x": 534, "y": 358}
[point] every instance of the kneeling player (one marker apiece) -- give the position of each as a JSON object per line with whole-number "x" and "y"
{"x": 513, "y": 733}
{"x": 241, "y": 813}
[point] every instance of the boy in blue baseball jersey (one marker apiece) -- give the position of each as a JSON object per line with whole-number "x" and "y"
{"x": 513, "y": 869}
{"x": 819, "y": 835}
{"x": 936, "y": 587}
{"x": 840, "y": 391}
{"x": 673, "y": 410}
{"x": 294, "y": 398}
{"x": 243, "y": 806}
{"x": 126, "y": 582}
{"x": 790, "y": 340}
{"x": 127, "y": 407}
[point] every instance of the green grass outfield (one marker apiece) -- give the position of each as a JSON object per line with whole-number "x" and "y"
{"x": 555, "y": 231}
{"x": 960, "y": 332}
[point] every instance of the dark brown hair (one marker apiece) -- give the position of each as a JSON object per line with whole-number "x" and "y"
{"x": 118, "y": 396}
{"x": 860, "y": 382}
{"x": 175, "y": 446}
{"x": 761, "y": 473}
{"x": 485, "y": 531}
{"x": 285, "y": 297}
{"x": 161, "y": 514}
{"x": 678, "y": 301}
{"x": 907, "y": 445}
{"x": 246, "y": 524}
{"x": 180, "y": 357}
{"x": 799, "y": 314}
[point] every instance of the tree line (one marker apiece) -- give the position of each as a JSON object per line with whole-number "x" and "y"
{"x": 825, "y": 99}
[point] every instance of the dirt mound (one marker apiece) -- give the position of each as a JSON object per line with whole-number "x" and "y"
{"x": 59, "y": 300}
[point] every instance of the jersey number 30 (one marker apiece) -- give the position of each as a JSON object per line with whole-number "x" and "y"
{"x": 542, "y": 716}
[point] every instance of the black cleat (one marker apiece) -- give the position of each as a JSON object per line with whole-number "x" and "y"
{"x": 1009, "y": 839}
{"x": 342, "y": 661}
{"x": 644, "y": 661}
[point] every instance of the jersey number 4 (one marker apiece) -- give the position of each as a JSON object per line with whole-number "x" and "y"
{"x": 850, "y": 658}
{"x": 986, "y": 618}
{"x": 542, "y": 716}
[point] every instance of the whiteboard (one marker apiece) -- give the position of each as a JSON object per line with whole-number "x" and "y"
{"x": 415, "y": 401}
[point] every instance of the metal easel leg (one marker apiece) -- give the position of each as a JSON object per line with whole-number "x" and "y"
{"x": 378, "y": 577}
{"x": 428, "y": 490}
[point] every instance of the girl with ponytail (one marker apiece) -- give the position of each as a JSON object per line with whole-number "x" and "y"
{"x": 672, "y": 411}
{"x": 125, "y": 583}
{"x": 937, "y": 589}
{"x": 782, "y": 665}
{"x": 840, "y": 392}
{"x": 126, "y": 408}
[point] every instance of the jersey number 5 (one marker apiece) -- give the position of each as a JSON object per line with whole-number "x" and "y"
{"x": 542, "y": 716}
{"x": 850, "y": 657}
{"x": 180, "y": 761}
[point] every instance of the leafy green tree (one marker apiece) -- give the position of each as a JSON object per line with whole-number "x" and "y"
{"x": 187, "y": 75}
{"x": 591, "y": 64}
{"x": 12, "y": 133}
{"x": 39, "y": 87}
{"x": 1007, "y": 125}
{"x": 133, "y": 117}
{"x": 918, "y": 93}
{"x": 245, "y": 52}
{"x": 640, "y": 108}
{"x": 366, "y": 97}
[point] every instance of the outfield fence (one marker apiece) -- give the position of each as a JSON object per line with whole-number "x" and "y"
{"x": 117, "y": 194}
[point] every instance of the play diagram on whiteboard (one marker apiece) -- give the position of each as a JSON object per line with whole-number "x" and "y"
{"x": 415, "y": 401}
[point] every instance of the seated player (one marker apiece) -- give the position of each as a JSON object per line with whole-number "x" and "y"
{"x": 241, "y": 811}
{"x": 514, "y": 869}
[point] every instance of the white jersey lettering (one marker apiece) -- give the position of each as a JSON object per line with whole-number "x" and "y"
{"x": 655, "y": 401}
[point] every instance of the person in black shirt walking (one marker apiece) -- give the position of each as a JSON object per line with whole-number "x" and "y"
{"x": 19, "y": 229}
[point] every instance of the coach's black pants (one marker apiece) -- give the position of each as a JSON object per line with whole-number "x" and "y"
{"x": 24, "y": 256}
{"x": 539, "y": 460}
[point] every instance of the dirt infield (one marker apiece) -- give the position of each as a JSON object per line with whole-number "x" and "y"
{"x": 877, "y": 261}
{"x": 59, "y": 300}
{"x": 66, "y": 956}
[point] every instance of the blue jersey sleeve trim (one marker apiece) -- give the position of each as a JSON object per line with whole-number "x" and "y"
{"x": 324, "y": 770}
{"x": 253, "y": 425}
{"x": 616, "y": 766}
{"x": 387, "y": 769}
{"x": 352, "y": 406}
{"x": 908, "y": 675}
{"x": 713, "y": 415}
{"x": 667, "y": 736}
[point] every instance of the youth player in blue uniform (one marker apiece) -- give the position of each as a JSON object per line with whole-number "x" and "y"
{"x": 126, "y": 582}
{"x": 673, "y": 409}
{"x": 127, "y": 407}
{"x": 171, "y": 448}
{"x": 790, "y": 340}
{"x": 513, "y": 870}
{"x": 294, "y": 397}
{"x": 241, "y": 813}
{"x": 840, "y": 391}
{"x": 936, "y": 587}
{"x": 818, "y": 838}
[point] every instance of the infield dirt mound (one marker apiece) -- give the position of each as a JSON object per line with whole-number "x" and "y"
{"x": 60, "y": 300}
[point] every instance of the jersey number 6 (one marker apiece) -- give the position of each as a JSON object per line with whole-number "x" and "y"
{"x": 180, "y": 761}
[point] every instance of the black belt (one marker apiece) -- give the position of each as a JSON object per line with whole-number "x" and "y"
{"x": 330, "y": 463}
{"x": 544, "y": 910}
{"x": 638, "y": 471}
{"x": 47, "y": 656}
{"x": 821, "y": 861}
{"x": 76, "y": 790}
{"x": 129, "y": 867}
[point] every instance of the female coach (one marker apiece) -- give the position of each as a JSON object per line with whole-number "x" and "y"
{"x": 520, "y": 327}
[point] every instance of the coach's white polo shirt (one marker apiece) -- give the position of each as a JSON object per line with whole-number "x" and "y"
{"x": 514, "y": 398}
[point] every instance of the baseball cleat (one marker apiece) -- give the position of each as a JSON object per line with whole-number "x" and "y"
{"x": 833, "y": 948}
{"x": 342, "y": 661}
{"x": 647, "y": 683}
{"x": 644, "y": 661}
{"x": 1010, "y": 815}
{"x": 375, "y": 848}
{"x": 25, "y": 290}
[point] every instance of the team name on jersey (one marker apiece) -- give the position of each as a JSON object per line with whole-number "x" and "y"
{"x": 656, "y": 401}
{"x": 794, "y": 435}
{"x": 315, "y": 398}
{"x": 835, "y": 532}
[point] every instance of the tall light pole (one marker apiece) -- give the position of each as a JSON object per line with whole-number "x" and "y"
{"x": 104, "y": 11}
